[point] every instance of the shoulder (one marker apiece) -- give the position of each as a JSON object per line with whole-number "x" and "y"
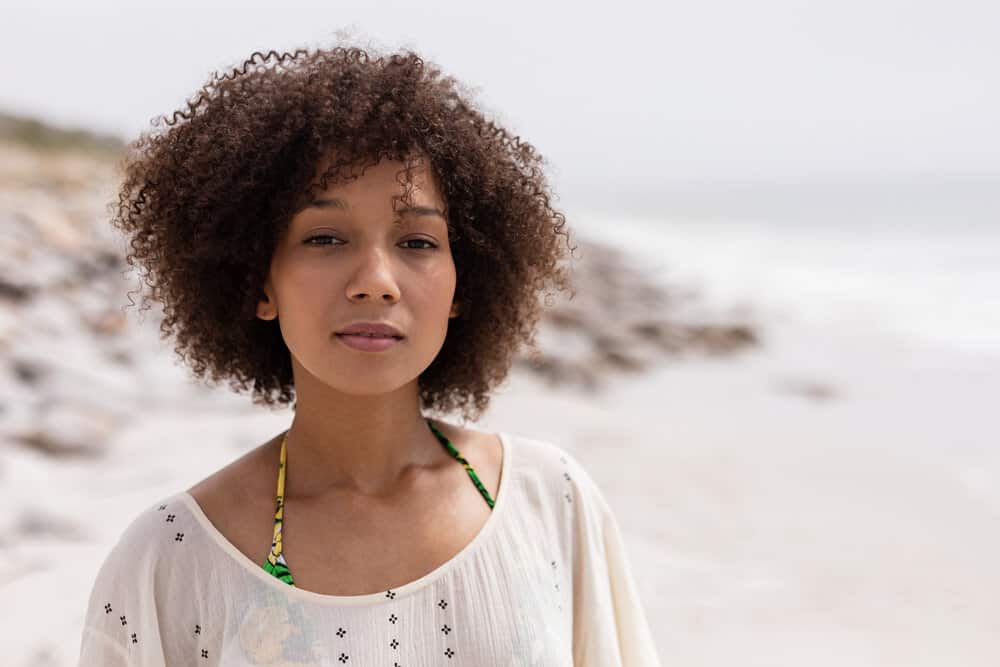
{"x": 551, "y": 465}
{"x": 140, "y": 546}
{"x": 483, "y": 449}
{"x": 161, "y": 539}
{"x": 238, "y": 500}
{"x": 142, "y": 561}
{"x": 535, "y": 451}
{"x": 248, "y": 477}
{"x": 140, "y": 583}
{"x": 559, "y": 497}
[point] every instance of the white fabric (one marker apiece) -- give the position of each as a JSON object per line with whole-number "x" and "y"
{"x": 546, "y": 581}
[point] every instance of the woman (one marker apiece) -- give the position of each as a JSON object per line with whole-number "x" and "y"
{"x": 350, "y": 234}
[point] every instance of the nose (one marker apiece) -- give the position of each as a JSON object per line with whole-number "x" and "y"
{"x": 373, "y": 279}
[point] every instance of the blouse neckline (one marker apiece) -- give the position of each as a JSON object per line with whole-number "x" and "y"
{"x": 256, "y": 569}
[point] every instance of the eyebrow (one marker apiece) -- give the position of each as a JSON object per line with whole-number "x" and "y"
{"x": 342, "y": 205}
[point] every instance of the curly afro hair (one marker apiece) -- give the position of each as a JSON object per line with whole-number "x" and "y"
{"x": 205, "y": 200}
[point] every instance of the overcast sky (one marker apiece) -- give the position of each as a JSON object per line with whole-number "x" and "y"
{"x": 644, "y": 94}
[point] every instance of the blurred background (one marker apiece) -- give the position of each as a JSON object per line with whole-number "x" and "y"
{"x": 782, "y": 363}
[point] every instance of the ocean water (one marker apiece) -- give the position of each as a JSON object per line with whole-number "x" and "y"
{"x": 922, "y": 277}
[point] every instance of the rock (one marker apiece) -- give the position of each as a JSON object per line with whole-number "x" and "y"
{"x": 620, "y": 353}
{"x": 619, "y": 321}
{"x": 27, "y": 371}
{"x": 14, "y": 292}
{"x": 720, "y": 339}
{"x": 68, "y": 430}
{"x": 813, "y": 390}
{"x": 107, "y": 323}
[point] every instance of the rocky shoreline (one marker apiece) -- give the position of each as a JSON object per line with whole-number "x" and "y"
{"x": 75, "y": 360}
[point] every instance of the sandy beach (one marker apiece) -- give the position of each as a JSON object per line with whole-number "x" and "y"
{"x": 790, "y": 492}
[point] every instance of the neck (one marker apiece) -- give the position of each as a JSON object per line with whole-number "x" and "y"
{"x": 368, "y": 445}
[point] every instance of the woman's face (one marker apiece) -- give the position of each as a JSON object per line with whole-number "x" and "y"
{"x": 360, "y": 260}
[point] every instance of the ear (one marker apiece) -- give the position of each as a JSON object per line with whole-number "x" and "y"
{"x": 456, "y": 309}
{"x": 266, "y": 308}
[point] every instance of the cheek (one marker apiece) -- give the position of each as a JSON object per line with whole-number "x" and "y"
{"x": 445, "y": 280}
{"x": 431, "y": 308}
{"x": 442, "y": 294}
{"x": 427, "y": 304}
{"x": 296, "y": 297}
{"x": 305, "y": 282}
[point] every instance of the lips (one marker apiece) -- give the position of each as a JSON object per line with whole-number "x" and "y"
{"x": 369, "y": 343}
{"x": 374, "y": 329}
{"x": 364, "y": 335}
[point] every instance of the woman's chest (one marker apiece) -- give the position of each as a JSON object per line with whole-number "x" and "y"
{"x": 347, "y": 545}
{"x": 356, "y": 551}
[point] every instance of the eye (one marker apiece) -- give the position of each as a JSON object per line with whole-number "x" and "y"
{"x": 309, "y": 240}
{"x": 430, "y": 245}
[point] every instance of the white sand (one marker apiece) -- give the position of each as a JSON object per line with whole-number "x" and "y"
{"x": 768, "y": 529}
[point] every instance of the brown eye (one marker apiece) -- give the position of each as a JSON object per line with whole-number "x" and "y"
{"x": 322, "y": 236}
{"x": 431, "y": 245}
{"x": 309, "y": 241}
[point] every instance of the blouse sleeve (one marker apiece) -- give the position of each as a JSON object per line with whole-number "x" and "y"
{"x": 609, "y": 625}
{"x": 121, "y": 621}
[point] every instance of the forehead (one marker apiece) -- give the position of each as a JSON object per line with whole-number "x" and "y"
{"x": 385, "y": 179}
{"x": 377, "y": 187}
{"x": 326, "y": 202}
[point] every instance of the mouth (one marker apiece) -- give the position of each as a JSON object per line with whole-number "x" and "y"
{"x": 364, "y": 335}
{"x": 368, "y": 342}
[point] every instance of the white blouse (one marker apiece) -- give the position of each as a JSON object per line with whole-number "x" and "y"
{"x": 546, "y": 581}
